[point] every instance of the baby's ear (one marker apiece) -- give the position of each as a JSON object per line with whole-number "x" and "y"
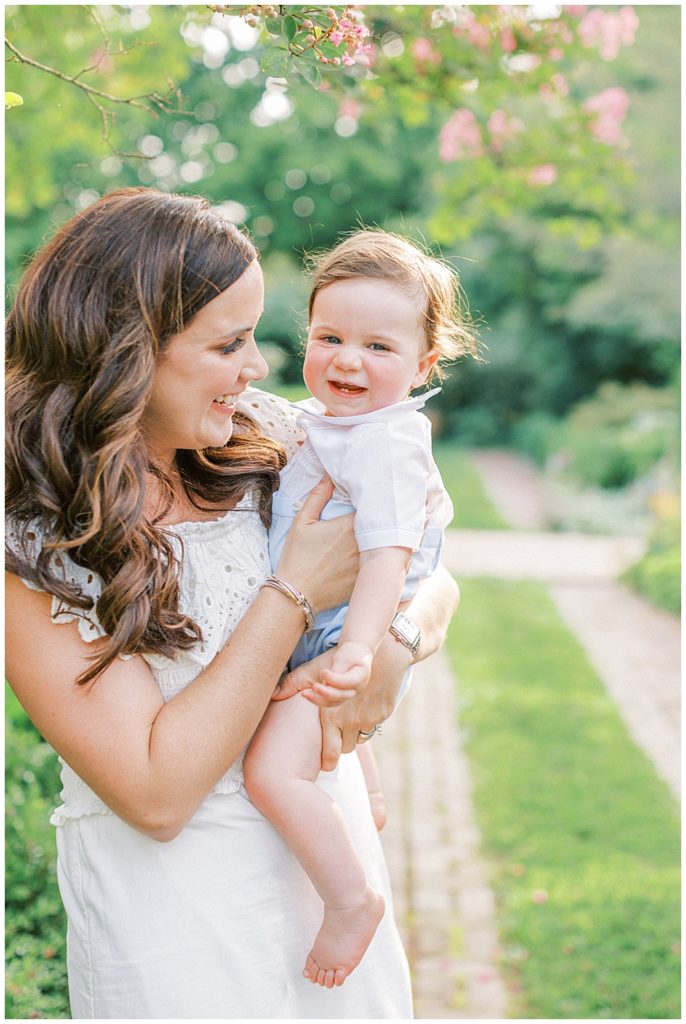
{"x": 424, "y": 367}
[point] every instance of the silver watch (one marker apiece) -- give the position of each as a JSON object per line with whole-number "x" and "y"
{"x": 406, "y": 632}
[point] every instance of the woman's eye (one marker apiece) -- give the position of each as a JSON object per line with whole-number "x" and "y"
{"x": 233, "y": 346}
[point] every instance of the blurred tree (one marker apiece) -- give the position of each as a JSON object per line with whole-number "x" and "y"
{"x": 507, "y": 134}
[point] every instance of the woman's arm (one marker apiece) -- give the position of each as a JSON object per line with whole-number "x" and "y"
{"x": 431, "y": 608}
{"x": 153, "y": 763}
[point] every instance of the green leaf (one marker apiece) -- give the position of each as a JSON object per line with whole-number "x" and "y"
{"x": 289, "y": 27}
{"x": 13, "y": 99}
{"x": 329, "y": 50}
{"x": 275, "y": 62}
{"x": 309, "y": 71}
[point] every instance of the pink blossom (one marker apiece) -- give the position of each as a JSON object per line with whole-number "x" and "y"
{"x": 610, "y": 107}
{"x": 361, "y": 31}
{"x": 608, "y": 30}
{"x": 349, "y": 108}
{"x": 540, "y": 896}
{"x": 423, "y": 50}
{"x": 556, "y": 53}
{"x": 347, "y": 60}
{"x": 560, "y": 84}
{"x": 460, "y": 136}
{"x": 501, "y": 129}
{"x": 545, "y": 174}
{"x": 335, "y": 38}
{"x": 366, "y": 54}
{"x": 628, "y": 20}
{"x": 480, "y": 36}
{"x": 345, "y": 24}
{"x": 476, "y": 32}
{"x": 576, "y": 10}
{"x": 508, "y": 43}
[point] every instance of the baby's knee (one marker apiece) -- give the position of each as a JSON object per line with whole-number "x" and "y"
{"x": 261, "y": 782}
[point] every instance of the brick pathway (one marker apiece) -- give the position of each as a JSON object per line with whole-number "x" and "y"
{"x": 444, "y": 906}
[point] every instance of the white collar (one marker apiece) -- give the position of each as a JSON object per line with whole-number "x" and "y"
{"x": 314, "y": 408}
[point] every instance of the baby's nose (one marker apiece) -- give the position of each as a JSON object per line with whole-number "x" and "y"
{"x": 347, "y": 356}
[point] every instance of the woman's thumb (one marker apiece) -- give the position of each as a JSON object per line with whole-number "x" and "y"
{"x": 317, "y": 499}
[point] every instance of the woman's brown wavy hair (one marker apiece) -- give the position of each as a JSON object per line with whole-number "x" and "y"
{"x": 91, "y": 314}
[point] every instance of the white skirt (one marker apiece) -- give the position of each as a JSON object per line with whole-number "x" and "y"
{"x": 216, "y": 924}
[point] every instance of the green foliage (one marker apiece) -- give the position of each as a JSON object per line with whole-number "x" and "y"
{"x": 618, "y": 435}
{"x": 658, "y": 574}
{"x": 582, "y": 837}
{"x": 35, "y": 923}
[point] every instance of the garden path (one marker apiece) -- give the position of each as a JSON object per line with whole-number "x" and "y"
{"x": 633, "y": 646}
{"x": 445, "y": 908}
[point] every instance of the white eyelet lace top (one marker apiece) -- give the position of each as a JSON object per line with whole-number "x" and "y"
{"x": 223, "y": 563}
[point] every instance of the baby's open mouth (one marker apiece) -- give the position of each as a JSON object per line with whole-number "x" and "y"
{"x": 346, "y": 389}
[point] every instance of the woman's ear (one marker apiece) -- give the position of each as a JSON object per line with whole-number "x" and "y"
{"x": 424, "y": 367}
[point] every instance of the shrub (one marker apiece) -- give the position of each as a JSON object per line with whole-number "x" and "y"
{"x": 658, "y": 574}
{"x": 35, "y": 923}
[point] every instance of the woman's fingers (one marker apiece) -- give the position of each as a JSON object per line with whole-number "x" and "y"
{"x": 332, "y": 744}
{"x": 317, "y": 499}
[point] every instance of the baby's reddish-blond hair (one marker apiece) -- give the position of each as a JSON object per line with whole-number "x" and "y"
{"x": 372, "y": 253}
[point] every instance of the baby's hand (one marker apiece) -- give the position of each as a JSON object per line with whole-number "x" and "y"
{"x": 349, "y": 672}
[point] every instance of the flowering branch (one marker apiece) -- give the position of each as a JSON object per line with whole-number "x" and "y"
{"x": 311, "y": 37}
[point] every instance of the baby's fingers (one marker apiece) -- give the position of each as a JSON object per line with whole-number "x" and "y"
{"x": 327, "y": 696}
{"x": 353, "y": 678}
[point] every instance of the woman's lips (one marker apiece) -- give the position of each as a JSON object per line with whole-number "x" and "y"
{"x": 226, "y": 403}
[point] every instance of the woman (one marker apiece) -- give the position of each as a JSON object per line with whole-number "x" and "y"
{"x": 139, "y": 483}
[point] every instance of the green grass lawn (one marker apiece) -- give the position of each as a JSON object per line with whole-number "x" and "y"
{"x": 473, "y": 510}
{"x": 582, "y": 835}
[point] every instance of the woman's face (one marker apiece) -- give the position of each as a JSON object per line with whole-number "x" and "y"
{"x": 204, "y": 369}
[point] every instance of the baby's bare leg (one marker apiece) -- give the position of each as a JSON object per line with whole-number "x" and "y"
{"x": 280, "y": 769}
{"x": 372, "y": 780}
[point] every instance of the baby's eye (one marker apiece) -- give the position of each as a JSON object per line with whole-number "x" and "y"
{"x": 377, "y": 346}
{"x": 331, "y": 339}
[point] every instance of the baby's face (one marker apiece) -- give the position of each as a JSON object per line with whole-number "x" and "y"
{"x": 365, "y": 346}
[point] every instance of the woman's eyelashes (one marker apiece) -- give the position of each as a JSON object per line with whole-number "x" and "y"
{"x": 232, "y": 346}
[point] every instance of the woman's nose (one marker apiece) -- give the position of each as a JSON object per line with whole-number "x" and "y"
{"x": 255, "y": 366}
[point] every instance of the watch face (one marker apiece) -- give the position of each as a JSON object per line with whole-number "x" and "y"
{"x": 406, "y": 630}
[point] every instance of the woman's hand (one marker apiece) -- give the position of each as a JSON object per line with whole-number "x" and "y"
{"x": 320, "y": 557}
{"x": 431, "y": 608}
{"x": 341, "y": 725}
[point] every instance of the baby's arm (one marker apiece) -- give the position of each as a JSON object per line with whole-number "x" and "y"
{"x": 373, "y": 603}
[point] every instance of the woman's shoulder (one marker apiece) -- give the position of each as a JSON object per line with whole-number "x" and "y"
{"x": 275, "y": 416}
{"x": 24, "y": 543}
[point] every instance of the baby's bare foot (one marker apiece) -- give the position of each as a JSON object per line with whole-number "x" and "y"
{"x": 343, "y": 939}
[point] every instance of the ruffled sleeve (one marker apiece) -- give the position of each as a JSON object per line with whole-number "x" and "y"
{"x": 30, "y": 542}
{"x": 275, "y": 416}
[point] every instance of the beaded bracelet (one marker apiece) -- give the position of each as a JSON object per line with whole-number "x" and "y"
{"x": 295, "y": 595}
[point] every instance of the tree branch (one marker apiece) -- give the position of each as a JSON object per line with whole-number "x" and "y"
{"x": 146, "y": 101}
